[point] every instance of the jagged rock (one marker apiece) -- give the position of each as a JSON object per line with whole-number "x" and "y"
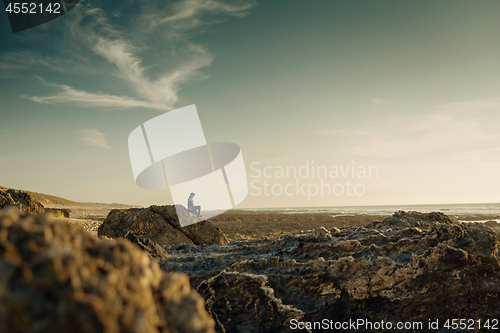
{"x": 161, "y": 225}
{"x": 411, "y": 267}
{"x": 151, "y": 248}
{"x": 492, "y": 224}
{"x": 321, "y": 232}
{"x": 54, "y": 277}
{"x": 22, "y": 200}
{"x": 414, "y": 219}
{"x": 408, "y": 232}
{"x": 58, "y": 212}
{"x": 495, "y": 226}
{"x": 205, "y": 233}
{"x": 335, "y": 230}
{"x": 253, "y": 306}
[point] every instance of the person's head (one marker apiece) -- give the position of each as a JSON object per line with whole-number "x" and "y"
{"x": 192, "y": 195}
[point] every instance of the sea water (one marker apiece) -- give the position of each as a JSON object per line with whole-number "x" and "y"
{"x": 474, "y": 211}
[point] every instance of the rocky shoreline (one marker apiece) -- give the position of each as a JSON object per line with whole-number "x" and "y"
{"x": 409, "y": 267}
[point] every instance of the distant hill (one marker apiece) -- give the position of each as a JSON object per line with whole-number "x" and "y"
{"x": 46, "y": 199}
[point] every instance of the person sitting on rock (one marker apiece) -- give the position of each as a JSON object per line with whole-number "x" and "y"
{"x": 191, "y": 207}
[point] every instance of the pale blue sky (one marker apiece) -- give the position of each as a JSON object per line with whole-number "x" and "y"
{"x": 409, "y": 86}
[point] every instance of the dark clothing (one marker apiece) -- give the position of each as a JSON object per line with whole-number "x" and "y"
{"x": 192, "y": 207}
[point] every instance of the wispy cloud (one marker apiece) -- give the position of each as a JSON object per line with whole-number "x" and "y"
{"x": 379, "y": 101}
{"x": 28, "y": 61}
{"x": 93, "y": 137}
{"x": 9, "y": 66}
{"x": 188, "y": 14}
{"x": 163, "y": 91}
{"x": 342, "y": 132}
{"x": 160, "y": 28}
{"x": 472, "y": 105}
{"x": 84, "y": 99}
{"x": 435, "y": 136}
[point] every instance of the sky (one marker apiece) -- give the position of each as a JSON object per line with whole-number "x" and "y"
{"x": 409, "y": 88}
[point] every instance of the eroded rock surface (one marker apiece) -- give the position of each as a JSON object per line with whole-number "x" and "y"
{"x": 54, "y": 277}
{"x": 161, "y": 225}
{"x": 59, "y": 212}
{"x": 495, "y": 226}
{"x": 154, "y": 250}
{"x": 20, "y": 199}
{"x": 409, "y": 267}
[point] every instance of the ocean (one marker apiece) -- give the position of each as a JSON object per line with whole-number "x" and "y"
{"x": 478, "y": 212}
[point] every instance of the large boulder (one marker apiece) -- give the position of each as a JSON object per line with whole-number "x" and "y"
{"x": 161, "y": 225}
{"x": 20, "y": 199}
{"x": 54, "y": 277}
{"x": 205, "y": 233}
{"x": 143, "y": 223}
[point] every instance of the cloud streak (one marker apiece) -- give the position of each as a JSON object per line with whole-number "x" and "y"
{"x": 448, "y": 134}
{"x": 165, "y": 30}
{"x": 94, "y": 138}
{"x": 471, "y": 105}
{"x": 379, "y": 101}
{"x": 84, "y": 99}
{"x": 188, "y": 14}
{"x": 28, "y": 61}
{"x": 163, "y": 91}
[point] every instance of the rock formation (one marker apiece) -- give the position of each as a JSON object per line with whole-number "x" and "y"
{"x": 154, "y": 250}
{"x": 58, "y": 212}
{"x": 411, "y": 267}
{"x": 161, "y": 225}
{"x": 21, "y": 200}
{"x": 495, "y": 226}
{"x": 54, "y": 277}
